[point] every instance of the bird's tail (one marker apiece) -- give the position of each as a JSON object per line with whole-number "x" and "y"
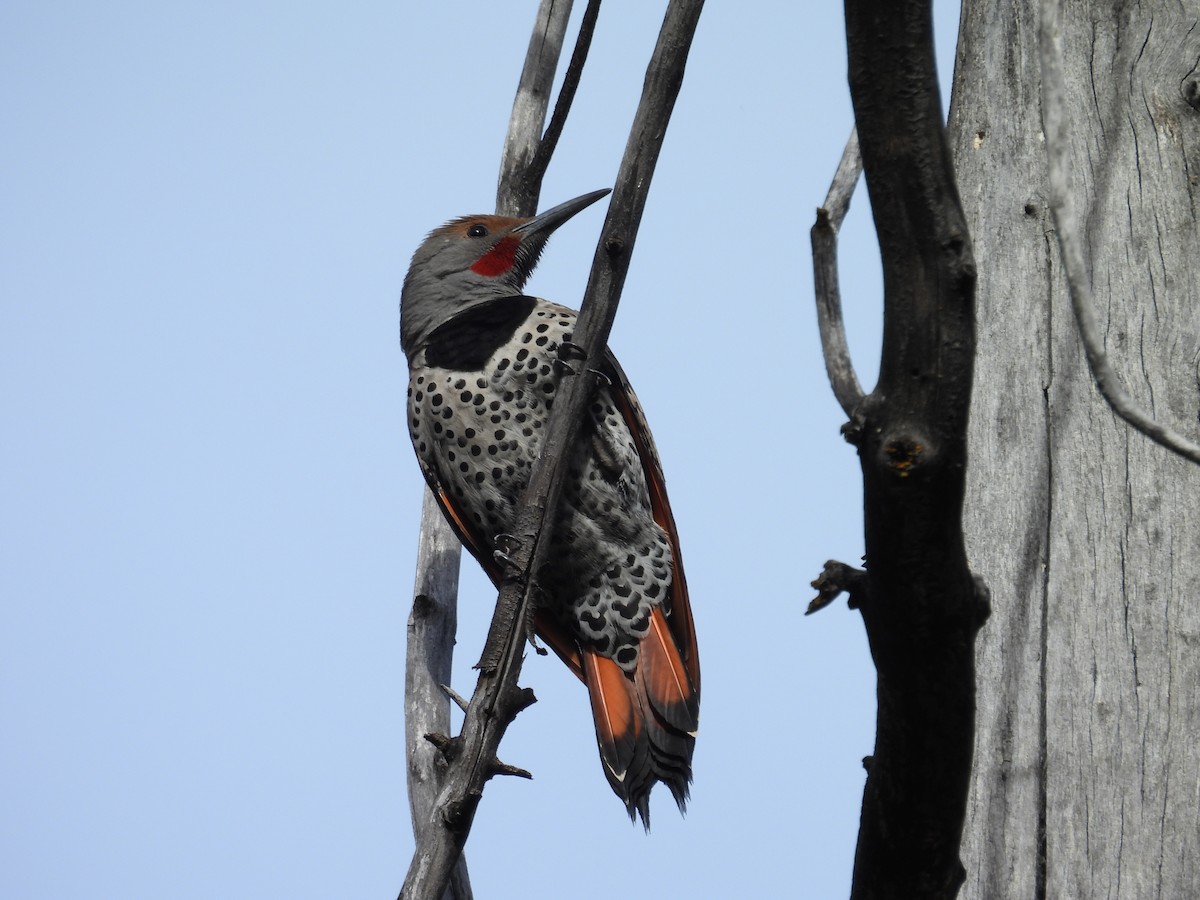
{"x": 645, "y": 723}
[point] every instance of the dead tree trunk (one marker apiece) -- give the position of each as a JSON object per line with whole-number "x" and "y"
{"x": 1087, "y": 764}
{"x": 920, "y": 605}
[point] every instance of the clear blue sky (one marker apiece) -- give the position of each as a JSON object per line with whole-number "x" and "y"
{"x": 208, "y": 501}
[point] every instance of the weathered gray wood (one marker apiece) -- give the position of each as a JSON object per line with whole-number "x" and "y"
{"x": 994, "y": 134}
{"x": 1086, "y": 756}
{"x": 430, "y": 655}
{"x": 838, "y": 365}
{"x": 516, "y": 193}
{"x": 1056, "y": 123}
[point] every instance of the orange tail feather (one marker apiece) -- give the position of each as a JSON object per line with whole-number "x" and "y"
{"x": 645, "y": 725}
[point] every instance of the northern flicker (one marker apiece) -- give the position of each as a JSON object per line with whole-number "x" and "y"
{"x": 612, "y": 601}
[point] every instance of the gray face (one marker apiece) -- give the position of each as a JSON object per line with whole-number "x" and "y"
{"x": 472, "y": 259}
{"x": 460, "y": 264}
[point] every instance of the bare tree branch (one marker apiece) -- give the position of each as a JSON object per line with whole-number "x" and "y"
{"x": 1055, "y": 125}
{"x": 517, "y": 191}
{"x": 497, "y": 699}
{"x": 431, "y": 627}
{"x": 838, "y": 364}
{"x": 566, "y": 94}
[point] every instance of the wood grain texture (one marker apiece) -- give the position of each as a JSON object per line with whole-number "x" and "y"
{"x": 431, "y": 628}
{"x": 1087, "y": 768}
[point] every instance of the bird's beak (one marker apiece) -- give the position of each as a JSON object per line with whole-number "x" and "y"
{"x": 549, "y": 220}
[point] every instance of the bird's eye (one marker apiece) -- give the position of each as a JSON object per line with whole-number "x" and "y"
{"x": 477, "y": 230}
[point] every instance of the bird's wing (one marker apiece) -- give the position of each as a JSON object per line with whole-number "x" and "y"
{"x": 679, "y": 620}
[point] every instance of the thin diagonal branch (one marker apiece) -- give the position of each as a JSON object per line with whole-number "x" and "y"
{"x": 838, "y": 364}
{"x": 566, "y": 94}
{"x": 433, "y": 620}
{"x": 497, "y": 698}
{"x": 1054, "y": 124}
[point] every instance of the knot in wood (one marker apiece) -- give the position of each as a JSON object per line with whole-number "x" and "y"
{"x": 904, "y": 454}
{"x": 1191, "y": 93}
{"x": 614, "y": 245}
{"x": 422, "y": 606}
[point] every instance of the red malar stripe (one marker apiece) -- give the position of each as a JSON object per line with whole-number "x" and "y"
{"x": 499, "y": 259}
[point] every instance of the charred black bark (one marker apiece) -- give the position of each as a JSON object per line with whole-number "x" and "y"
{"x": 922, "y": 607}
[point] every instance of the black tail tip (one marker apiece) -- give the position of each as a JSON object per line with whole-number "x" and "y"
{"x": 639, "y": 807}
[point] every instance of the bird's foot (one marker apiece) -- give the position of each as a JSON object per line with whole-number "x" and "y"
{"x": 506, "y": 542}
{"x": 512, "y": 568}
{"x": 506, "y": 545}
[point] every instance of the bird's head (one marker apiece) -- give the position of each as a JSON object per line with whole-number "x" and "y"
{"x": 472, "y": 259}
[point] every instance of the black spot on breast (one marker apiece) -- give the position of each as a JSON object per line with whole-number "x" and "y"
{"x": 470, "y": 338}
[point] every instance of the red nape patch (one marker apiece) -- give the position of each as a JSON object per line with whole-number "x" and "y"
{"x": 499, "y": 259}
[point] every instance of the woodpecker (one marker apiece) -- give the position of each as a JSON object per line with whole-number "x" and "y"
{"x": 611, "y": 600}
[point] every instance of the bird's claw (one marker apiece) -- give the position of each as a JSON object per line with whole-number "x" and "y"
{"x": 506, "y": 542}
{"x": 603, "y": 376}
{"x": 571, "y": 349}
{"x": 514, "y": 567}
